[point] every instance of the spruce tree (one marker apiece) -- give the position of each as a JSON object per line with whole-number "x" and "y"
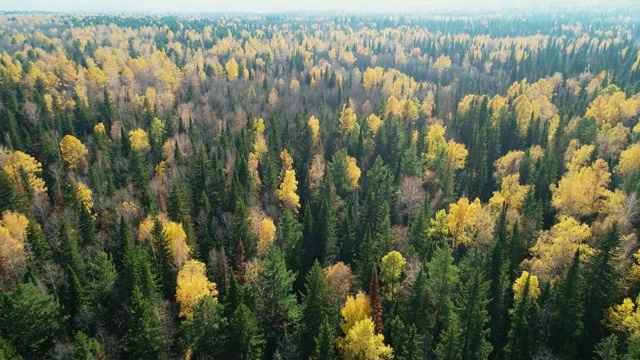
{"x": 144, "y": 339}
{"x": 317, "y": 309}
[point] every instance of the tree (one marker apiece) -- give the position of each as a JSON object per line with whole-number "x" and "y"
{"x": 232, "y": 69}
{"x": 74, "y": 153}
{"x": 392, "y": 267}
{"x": 439, "y": 287}
{"x": 582, "y": 191}
{"x": 317, "y": 310}
{"x": 522, "y": 337}
{"x": 143, "y": 339}
{"x": 287, "y": 191}
{"x": 192, "y": 284}
{"x": 13, "y": 255}
{"x": 244, "y": 340}
{"x": 361, "y": 343}
{"x": 376, "y": 301}
{"x": 601, "y": 274}
{"x": 278, "y": 304}
{"x": 139, "y": 140}
{"x": 565, "y": 322}
{"x": 20, "y": 163}
{"x": 30, "y": 320}
{"x": 204, "y": 330}
{"x": 266, "y": 236}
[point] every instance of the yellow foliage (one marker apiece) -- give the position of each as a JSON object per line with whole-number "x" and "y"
{"x": 393, "y": 106}
{"x": 555, "y": 248}
{"x": 314, "y": 125}
{"x": 13, "y": 257}
{"x": 428, "y": 104}
{"x": 287, "y": 163}
{"x": 84, "y": 194}
{"x": 99, "y": 129}
{"x": 436, "y": 143}
{"x": 582, "y": 192}
{"x": 355, "y": 309}
{"x": 287, "y": 191}
{"x": 353, "y": 171}
{"x": 177, "y": 242}
{"x": 508, "y": 164}
{"x": 612, "y": 106}
{"x": 139, "y": 139}
{"x": 374, "y": 123}
{"x": 253, "y": 169}
{"x": 347, "y": 120}
{"x": 462, "y": 220}
{"x": 410, "y": 111}
{"x": 362, "y": 343}
{"x": 232, "y": 69}
{"x": 192, "y": 284}
{"x": 456, "y": 155}
{"x": 629, "y": 160}
{"x": 30, "y": 166}
{"x": 266, "y": 236}
{"x": 512, "y": 194}
{"x": 625, "y": 318}
{"x": 521, "y": 282}
{"x": 73, "y": 152}
{"x": 442, "y": 63}
{"x": 160, "y": 173}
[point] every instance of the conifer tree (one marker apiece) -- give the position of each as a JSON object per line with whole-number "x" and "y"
{"x": 144, "y": 339}
{"x": 376, "y": 300}
{"x": 317, "y": 310}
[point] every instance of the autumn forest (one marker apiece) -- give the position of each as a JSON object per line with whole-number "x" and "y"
{"x": 320, "y": 186}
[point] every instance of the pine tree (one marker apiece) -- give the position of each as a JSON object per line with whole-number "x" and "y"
{"x": 474, "y": 316}
{"x": 601, "y": 276}
{"x": 317, "y": 309}
{"x": 30, "y": 320}
{"x": 244, "y": 339}
{"x": 278, "y": 305}
{"x": 204, "y": 330}
{"x": 565, "y": 323}
{"x": 324, "y": 342}
{"x": 522, "y": 337}
{"x": 144, "y": 339}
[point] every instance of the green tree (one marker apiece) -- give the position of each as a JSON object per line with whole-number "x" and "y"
{"x": 143, "y": 339}
{"x": 30, "y": 320}
{"x": 317, "y": 309}
{"x": 204, "y": 331}
{"x": 279, "y": 309}
{"x": 244, "y": 339}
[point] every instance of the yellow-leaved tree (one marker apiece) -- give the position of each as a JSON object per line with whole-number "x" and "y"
{"x": 84, "y": 194}
{"x": 266, "y": 236}
{"x": 232, "y": 69}
{"x": 192, "y": 284}
{"x": 177, "y": 242}
{"x": 314, "y": 125}
{"x": 353, "y": 171}
{"x": 74, "y": 153}
{"x": 582, "y": 191}
{"x": 347, "y": 120}
{"x": 139, "y": 139}
{"x": 360, "y": 340}
{"x": 287, "y": 191}
{"x": 19, "y": 163}
{"x": 555, "y": 248}
{"x": 462, "y": 220}
{"x": 13, "y": 257}
{"x": 391, "y": 270}
{"x": 625, "y": 318}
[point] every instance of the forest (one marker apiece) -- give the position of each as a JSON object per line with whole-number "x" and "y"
{"x": 320, "y": 186}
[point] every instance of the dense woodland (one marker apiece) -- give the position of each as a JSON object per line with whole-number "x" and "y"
{"x": 320, "y": 186}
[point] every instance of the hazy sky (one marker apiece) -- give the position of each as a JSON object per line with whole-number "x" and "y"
{"x": 258, "y": 5}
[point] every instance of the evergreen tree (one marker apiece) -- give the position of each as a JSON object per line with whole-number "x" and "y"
{"x": 244, "y": 338}
{"x": 601, "y": 276}
{"x": 376, "y": 300}
{"x": 204, "y": 331}
{"x": 324, "y": 343}
{"x": 278, "y": 305}
{"x": 29, "y": 320}
{"x": 565, "y": 322}
{"x": 317, "y": 309}
{"x": 144, "y": 339}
